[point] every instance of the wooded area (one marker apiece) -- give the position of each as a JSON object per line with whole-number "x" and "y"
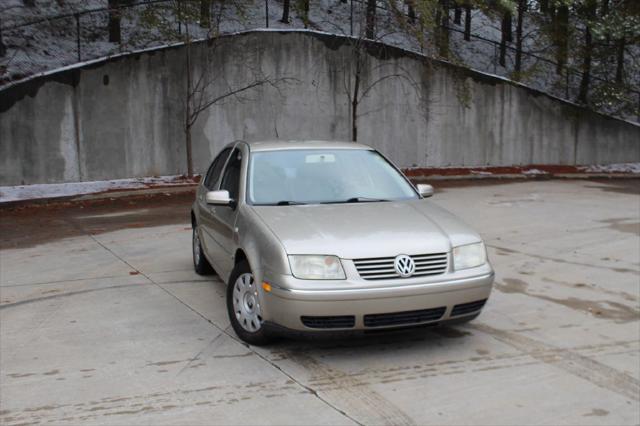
{"x": 593, "y": 45}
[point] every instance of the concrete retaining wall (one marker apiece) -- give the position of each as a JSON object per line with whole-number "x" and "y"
{"x": 123, "y": 117}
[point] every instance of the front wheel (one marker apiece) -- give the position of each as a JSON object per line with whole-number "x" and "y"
{"x": 243, "y": 306}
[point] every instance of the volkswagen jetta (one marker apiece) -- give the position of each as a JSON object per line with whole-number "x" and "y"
{"x": 330, "y": 236}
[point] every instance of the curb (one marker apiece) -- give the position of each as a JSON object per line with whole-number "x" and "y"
{"x": 189, "y": 188}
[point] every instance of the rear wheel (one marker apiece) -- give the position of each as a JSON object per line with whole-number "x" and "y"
{"x": 243, "y": 306}
{"x": 200, "y": 262}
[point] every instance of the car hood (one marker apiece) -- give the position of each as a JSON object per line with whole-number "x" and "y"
{"x": 362, "y": 230}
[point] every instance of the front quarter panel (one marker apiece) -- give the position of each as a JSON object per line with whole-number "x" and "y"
{"x": 264, "y": 251}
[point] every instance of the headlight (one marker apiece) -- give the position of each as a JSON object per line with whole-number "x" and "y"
{"x": 316, "y": 267}
{"x": 469, "y": 256}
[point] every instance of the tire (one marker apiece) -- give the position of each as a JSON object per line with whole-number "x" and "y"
{"x": 243, "y": 306}
{"x": 200, "y": 262}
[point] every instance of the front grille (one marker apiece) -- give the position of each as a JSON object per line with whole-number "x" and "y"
{"x": 467, "y": 308}
{"x": 344, "y": 321}
{"x": 402, "y": 318}
{"x": 381, "y": 268}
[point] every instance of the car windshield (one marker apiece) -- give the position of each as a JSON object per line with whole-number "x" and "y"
{"x": 318, "y": 176}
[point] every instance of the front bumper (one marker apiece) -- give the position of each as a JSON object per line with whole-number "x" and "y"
{"x": 415, "y": 303}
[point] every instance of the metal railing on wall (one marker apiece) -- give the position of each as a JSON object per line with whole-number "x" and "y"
{"x": 47, "y": 43}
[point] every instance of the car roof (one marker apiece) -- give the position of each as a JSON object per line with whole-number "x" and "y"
{"x": 276, "y": 145}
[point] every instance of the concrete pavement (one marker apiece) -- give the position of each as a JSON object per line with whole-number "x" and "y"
{"x": 103, "y": 321}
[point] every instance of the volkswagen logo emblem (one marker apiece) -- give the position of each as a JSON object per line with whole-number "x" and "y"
{"x": 404, "y": 265}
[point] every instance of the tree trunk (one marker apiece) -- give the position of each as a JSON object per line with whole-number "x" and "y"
{"x": 561, "y": 37}
{"x": 370, "y": 29}
{"x": 443, "y": 28}
{"x": 189, "y": 95}
{"x": 544, "y": 6}
{"x": 114, "y": 21}
{"x": 505, "y": 36}
{"x": 187, "y": 135}
{"x": 411, "y": 12}
{"x": 205, "y": 13}
{"x": 354, "y": 98}
{"x": 620, "y": 61}
{"x": 604, "y": 11}
{"x": 354, "y": 115}
{"x": 467, "y": 22}
{"x": 586, "y": 66}
{"x": 3, "y": 48}
{"x": 305, "y": 5}
{"x": 457, "y": 14}
{"x": 522, "y": 4}
{"x": 507, "y": 26}
{"x": 285, "y": 11}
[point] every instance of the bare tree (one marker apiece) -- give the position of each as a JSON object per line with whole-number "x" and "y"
{"x": 209, "y": 82}
{"x": 362, "y": 73}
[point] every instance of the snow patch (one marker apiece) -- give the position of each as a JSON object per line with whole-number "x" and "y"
{"x": 612, "y": 168}
{"x": 534, "y": 172}
{"x": 70, "y": 189}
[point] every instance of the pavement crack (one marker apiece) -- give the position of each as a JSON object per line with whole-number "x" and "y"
{"x": 196, "y": 356}
{"x": 259, "y": 355}
{"x": 64, "y": 281}
{"x": 63, "y": 295}
{"x": 354, "y": 393}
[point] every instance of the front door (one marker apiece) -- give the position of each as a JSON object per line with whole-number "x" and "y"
{"x": 207, "y": 212}
{"x": 223, "y": 221}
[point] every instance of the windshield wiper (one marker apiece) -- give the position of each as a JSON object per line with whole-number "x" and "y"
{"x": 289, "y": 203}
{"x": 282, "y": 203}
{"x": 364, "y": 200}
{"x": 357, "y": 200}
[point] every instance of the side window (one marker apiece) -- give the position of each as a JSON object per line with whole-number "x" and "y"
{"x": 216, "y": 168}
{"x": 231, "y": 177}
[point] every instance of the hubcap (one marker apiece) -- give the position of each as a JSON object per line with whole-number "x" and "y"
{"x": 196, "y": 247}
{"x": 245, "y": 303}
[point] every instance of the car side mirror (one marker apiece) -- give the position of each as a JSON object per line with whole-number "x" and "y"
{"x": 425, "y": 190}
{"x": 219, "y": 198}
